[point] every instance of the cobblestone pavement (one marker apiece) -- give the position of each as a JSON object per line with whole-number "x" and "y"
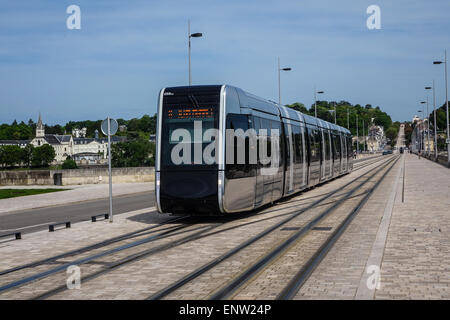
{"x": 416, "y": 255}
{"x": 415, "y": 263}
{"x": 144, "y": 277}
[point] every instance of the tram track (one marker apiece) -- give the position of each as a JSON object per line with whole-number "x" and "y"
{"x": 231, "y": 288}
{"x": 205, "y": 232}
{"x": 300, "y": 278}
{"x": 209, "y": 266}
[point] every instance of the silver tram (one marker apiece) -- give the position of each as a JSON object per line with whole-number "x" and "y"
{"x": 310, "y": 151}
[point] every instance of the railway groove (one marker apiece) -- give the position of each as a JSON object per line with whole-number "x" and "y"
{"x": 196, "y": 273}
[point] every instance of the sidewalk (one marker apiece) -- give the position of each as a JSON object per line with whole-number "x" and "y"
{"x": 75, "y": 194}
{"x": 408, "y": 241}
{"x": 416, "y": 261}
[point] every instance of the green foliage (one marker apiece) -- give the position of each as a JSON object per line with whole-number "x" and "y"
{"x": 408, "y": 133}
{"x": 43, "y": 155}
{"x": 298, "y": 106}
{"x": 15, "y": 131}
{"x": 133, "y": 153}
{"x": 26, "y": 131}
{"x": 69, "y": 164}
{"x": 325, "y": 111}
{"x": 27, "y": 154}
{"x": 10, "y": 155}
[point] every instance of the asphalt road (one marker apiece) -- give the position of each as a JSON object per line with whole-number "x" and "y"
{"x": 38, "y": 219}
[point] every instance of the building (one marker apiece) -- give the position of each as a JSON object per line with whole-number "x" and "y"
{"x": 81, "y": 149}
{"x": 20, "y": 143}
{"x": 62, "y": 144}
{"x": 84, "y": 148}
{"x": 422, "y": 139}
{"x": 376, "y": 140}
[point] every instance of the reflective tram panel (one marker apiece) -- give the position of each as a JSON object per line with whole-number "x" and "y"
{"x": 187, "y": 177}
{"x": 222, "y": 150}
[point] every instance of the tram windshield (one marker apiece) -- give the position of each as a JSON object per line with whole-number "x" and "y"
{"x": 188, "y": 128}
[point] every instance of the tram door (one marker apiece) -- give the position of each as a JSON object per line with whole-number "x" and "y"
{"x": 267, "y": 178}
{"x": 259, "y": 190}
{"x": 323, "y": 155}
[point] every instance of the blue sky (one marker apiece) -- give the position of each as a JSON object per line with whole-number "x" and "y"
{"x": 127, "y": 50}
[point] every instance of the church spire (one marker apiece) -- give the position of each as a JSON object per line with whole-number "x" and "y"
{"x": 40, "y": 129}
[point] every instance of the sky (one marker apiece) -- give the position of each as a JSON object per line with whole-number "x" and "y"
{"x": 126, "y": 51}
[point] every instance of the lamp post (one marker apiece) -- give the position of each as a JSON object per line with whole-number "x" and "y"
{"x": 279, "y": 80}
{"x": 357, "y": 136}
{"x": 434, "y": 120}
{"x": 427, "y": 126}
{"x": 315, "y": 100}
{"x": 446, "y": 103}
{"x": 364, "y": 136}
{"x": 193, "y": 35}
{"x": 348, "y": 119}
{"x": 421, "y": 142}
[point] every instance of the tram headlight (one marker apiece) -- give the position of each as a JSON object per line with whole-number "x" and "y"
{"x": 158, "y": 179}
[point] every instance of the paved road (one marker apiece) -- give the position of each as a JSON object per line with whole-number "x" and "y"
{"x": 38, "y": 219}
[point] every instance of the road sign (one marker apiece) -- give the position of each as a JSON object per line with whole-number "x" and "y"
{"x": 113, "y": 126}
{"x": 109, "y": 127}
{"x": 448, "y": 141}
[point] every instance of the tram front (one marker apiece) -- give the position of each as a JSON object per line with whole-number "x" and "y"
{"x": 186, "y": 166}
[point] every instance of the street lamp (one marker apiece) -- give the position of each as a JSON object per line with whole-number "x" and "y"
{"x": 427, "y": 147}
{"x": 279, "y": 80}
{"x": 357, "y": 136}
{"x": 434, "y": 121}
{"x": 446, "y": 103}
{"x": 193, "y": 35}
{"x": 421, "y": 142}
{"x": 315, "y": 100}
{"x": 428, "y": 125}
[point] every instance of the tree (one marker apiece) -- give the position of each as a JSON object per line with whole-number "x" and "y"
{"x": 10, "y": 155}
{"x": 69, "y": 163}
{"x": 298, "y": 106}
{"x": 27, "y": 154}
{"x": 43, "y": 155}
{"x": 134, "y": 153}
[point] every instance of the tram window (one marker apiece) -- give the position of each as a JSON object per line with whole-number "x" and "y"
{"x": 298, "y": 144}
{"x": 237, "y": 170}
{"x": 327, "y": 144}
{"x": 335, "y": 146}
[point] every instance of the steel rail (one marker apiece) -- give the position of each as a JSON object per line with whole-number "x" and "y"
{"x": 244, "y": 277}
{"x": 196, "y": 273}
{"x": 305, "y": 272}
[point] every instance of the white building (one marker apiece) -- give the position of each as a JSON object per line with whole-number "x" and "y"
{"x": 62, "y": 144}
{"x": 376, "y": 140}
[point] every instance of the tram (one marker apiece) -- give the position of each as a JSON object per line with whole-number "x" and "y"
{"x": 221, "y": 150}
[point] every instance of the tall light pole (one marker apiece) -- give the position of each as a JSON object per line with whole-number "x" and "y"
{"x": 279, "y": 80}
{"x": 364, "y": 136}
{"x": 315, "y": 100}
{"x": 420, "y": 132}
{"x": 357, "y": 136}
{"x": 427, "y": 127}
{"x": 348, "y": 119}
{"x": 434, "y": 120}
{"x": 193, "y": 35}
{"x": 446, "y": 103}
{"x": 335, "y": 113}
